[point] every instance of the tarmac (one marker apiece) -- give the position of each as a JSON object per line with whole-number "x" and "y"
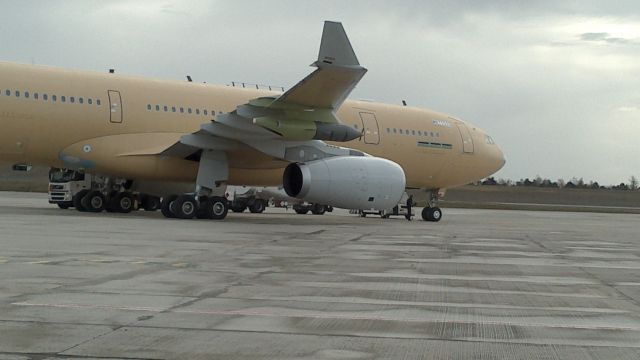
{"x": 481, "y": 284}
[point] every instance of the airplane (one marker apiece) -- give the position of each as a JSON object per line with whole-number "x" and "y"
{"x": 311, "y": 139}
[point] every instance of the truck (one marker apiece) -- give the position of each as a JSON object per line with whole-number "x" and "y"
{"x": 257, "y": 199}
{"x": 95, "y": 193}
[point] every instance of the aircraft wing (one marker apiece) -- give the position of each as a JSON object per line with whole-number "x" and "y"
{"x": 298, "y": 121}
{"x": 337, "y": 75}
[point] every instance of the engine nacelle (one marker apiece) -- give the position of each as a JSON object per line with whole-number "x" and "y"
{"x": 350, "y": 182}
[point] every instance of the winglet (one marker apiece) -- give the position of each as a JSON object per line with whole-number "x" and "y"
{"x": 335, "y": 48}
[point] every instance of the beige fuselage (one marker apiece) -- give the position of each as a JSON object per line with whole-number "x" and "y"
{"x": 117, "y": 125}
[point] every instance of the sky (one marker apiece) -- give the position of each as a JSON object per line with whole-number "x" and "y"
{"x": 556, "y": 83}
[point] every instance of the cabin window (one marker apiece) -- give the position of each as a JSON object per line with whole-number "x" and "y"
{"x": 206, "y": 112}
{"x": 63, "y": 98}
{"x": 189, "y": 110}
{"x": 98, "y": 102}
{"x": 395, "y": 130}
{"x": 26, "y": 94}
{"x": 36, "y": 96}
{"x": 148, "y": 106}
{"x": 54, "y": 98}
{"x": 81, "y": 100}
{"x": 388, "y": 131}
{"x": 17, "y": 93}
{"x": 413, "y": 132}
{"x": 8, "y": 92}
{"x": 72, "y": 99}
{"x": 197, "y": 111}
{"x": 165, "y": 108}
{"x": 181, "y": 110}
{"x": 173, "y": 109}
{"x": 157, "y": 107}
{"x": 90, "y": 101}
{"x": 45, "y": 97}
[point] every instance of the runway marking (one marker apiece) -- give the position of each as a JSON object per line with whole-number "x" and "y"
{"x": 410, "y": 320}
{"x": 92, "y": 306}
{"x": 317, "y": 315}
{"x": 40, "y": 262}
{"x": 526, "y": 279}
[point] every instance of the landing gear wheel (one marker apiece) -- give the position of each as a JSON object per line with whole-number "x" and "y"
{"x": 122, "y": 203}
{"x": 257, "y": 207}
{"x": 167, "y": 206}
{"x": 94, "y": 201}
{"x": 205, "y": 208}
{"x": 219, "y": 207}
{"x": 318, "y": 209}
{"x": 433, "y": 214}
{"x": 77, "y": 200}
{"x": 185, "y": 207}
{"x": 150, "y": 203}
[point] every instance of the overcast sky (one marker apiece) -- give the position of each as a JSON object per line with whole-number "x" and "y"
{"x": 557, "y": 83}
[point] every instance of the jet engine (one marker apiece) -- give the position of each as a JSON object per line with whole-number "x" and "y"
{"x": 350, "y": 182}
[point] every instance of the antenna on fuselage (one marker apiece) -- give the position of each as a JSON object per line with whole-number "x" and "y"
{"x": 111, "y": 71}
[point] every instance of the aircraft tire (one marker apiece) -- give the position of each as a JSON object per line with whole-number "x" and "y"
{"x": 185, "y": 207}
{"x": 257, "y": 207}
{"x": 150, "y": 203}
{"x": 219, "y": 207}
{"x": 94, "y": 202}
{"x": 77, "y": 200}
{"x": 432, "y": 214}
{"x": 205, "y": 208}
{"x": 166, "y": 207}
{"x": 301, "y": 211}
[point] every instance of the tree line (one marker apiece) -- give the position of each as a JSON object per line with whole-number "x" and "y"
{"x": 574, "y": 183}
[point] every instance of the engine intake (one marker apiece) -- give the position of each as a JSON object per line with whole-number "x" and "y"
{"x": 350, "y": 182}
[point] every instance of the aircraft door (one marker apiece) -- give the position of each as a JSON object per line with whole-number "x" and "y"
{"x": 467, "y": 139}
{"x": 370, "y": 128}
{"x": 115, "y": 107}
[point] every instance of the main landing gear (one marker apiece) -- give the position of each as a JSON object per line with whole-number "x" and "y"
{"x": 189, "y": 206}
{"x": 432, "y": 212}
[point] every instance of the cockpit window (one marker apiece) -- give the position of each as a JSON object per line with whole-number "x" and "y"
{"x": 489, "y": 140}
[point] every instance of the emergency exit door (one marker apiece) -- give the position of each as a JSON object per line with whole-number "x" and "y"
{"x": 467, "y": 140}
{"x": 115, "y": 107}
{"x": 370, "y": 128}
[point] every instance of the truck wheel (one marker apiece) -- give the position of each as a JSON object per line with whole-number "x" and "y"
{"x": 317, "y": 209}
{"x": 185, "y": 207}
{"x": 237, "y": 208}
{"x": 77, "y": 200}
{"x": 94, "y": 202}
{"x": 257, "y": 207}
{"x": 166, "y": 207}
{"x": 122, "y": 203}
{"x": 63, "y": 206}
